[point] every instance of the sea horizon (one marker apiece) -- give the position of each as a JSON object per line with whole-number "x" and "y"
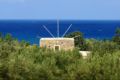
{"x": 32, "y": 30}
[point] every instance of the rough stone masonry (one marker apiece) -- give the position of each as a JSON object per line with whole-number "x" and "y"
{"x": 57, "y": 43}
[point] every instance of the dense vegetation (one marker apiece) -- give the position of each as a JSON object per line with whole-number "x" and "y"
{"x": 85, "y": 44}
{"x": 79, "y": 40}
{"x": 21, "y": 61}
{"x": 116, "y": 38}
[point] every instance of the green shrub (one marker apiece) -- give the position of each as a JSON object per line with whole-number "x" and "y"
{"x": 20, "y": 61}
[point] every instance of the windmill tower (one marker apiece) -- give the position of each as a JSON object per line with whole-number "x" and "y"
{"x": 57, "y": 43}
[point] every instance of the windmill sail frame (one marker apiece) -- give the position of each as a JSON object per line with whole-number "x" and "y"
{"x": 58, "y": 30}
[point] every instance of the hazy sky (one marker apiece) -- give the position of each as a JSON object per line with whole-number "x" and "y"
{"x": 60, "y": 9}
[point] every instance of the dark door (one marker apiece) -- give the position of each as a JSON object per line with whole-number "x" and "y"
{"x": 57, "y": 48}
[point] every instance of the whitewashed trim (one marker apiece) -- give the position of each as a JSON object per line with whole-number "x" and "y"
{"x": 57, "y": 39}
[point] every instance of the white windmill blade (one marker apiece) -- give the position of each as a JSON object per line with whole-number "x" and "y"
{"x": 67, "y": 30}
{"x": 58, "y": 28}
{"x": 38, "y": 36}
{"x": 48, "y": 31}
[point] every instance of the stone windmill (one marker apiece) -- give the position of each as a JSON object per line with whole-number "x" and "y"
{"x": 57, "y": 43}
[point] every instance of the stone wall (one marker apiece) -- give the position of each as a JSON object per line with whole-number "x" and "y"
{"x": 64, "y": 43}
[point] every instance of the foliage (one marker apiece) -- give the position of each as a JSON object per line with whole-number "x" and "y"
{"x": 102, "y": 47}
{"x": 116, "y": 38}
{"x": 20, "y": 61}
{"x": 79, "y": 40}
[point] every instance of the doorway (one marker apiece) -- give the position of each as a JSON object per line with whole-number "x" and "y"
{"x": 57, "y": 47}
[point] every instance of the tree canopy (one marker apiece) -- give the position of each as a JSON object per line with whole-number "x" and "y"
{"x": 116, "y": 38}
{"x": 79, "y": 40}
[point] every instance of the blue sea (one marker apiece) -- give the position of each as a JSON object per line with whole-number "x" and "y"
{"x": 32, "y": 30}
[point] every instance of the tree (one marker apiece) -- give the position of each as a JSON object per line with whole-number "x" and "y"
{"x": 79, "y": 40}
{"x": 116, "y": 38}
{"x": 1, "y": 37}
{"x": 8, "y": 37}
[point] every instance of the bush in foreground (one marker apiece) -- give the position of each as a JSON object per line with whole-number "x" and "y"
{"x": 20, "y": 61}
